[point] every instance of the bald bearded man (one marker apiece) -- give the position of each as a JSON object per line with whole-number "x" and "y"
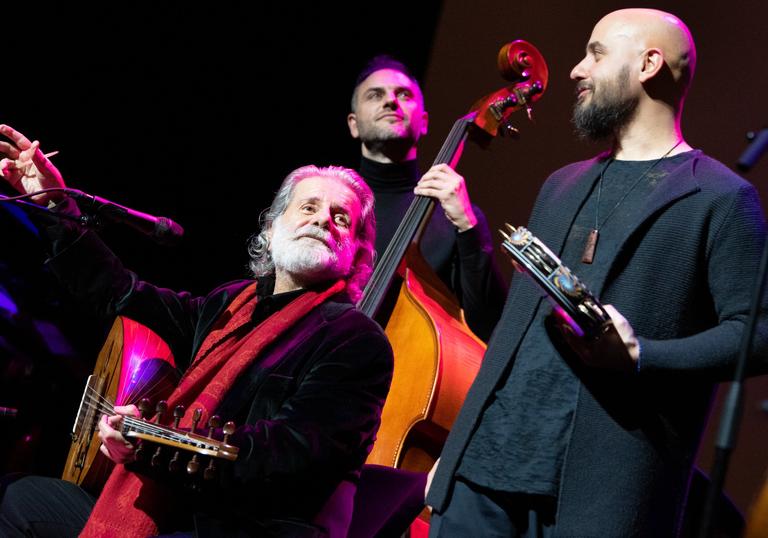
{"x": 560, "y": 436}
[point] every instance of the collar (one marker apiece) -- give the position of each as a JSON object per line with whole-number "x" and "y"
{"x": 390, "y": 177}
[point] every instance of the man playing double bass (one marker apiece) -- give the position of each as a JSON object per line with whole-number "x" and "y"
{"x": 286, "y": 355}
{"x": 389, "y": 118}
{"x": 563, "y": 436}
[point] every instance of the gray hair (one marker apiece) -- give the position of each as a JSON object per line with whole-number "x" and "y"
{"x": 261, "y": 263}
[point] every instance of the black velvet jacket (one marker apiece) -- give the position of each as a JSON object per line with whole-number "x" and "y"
{"x": 311, "y": 402}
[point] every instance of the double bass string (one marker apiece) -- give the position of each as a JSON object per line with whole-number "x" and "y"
{"x": 407, "y": 229}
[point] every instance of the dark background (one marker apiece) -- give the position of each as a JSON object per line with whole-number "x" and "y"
{"x": 197, "y": 113}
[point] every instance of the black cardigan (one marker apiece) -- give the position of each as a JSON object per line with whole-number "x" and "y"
{"x": 683, "y": 276}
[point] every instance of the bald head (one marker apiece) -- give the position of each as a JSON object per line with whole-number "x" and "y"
{"x": 653, "y": 29}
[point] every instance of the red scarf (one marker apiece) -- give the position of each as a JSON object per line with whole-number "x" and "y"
{"x": 136, "y": 506}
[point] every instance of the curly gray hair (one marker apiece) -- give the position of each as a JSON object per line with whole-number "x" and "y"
{"x": 261, "y": 263}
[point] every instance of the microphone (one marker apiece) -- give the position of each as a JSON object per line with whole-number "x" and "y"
{"x": 758, "y": 145}
{"x": 160, "y": 229}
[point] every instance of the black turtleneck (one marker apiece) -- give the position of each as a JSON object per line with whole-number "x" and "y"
{"x": 464, "y": 261}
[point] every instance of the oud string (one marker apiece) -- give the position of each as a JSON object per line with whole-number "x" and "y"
{"x": 97, "y": 402}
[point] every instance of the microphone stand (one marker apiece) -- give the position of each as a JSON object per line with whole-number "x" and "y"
{"x": 85, "y": 220}
{"x": 734, "y": 402}
{"x": 95, "y": 209}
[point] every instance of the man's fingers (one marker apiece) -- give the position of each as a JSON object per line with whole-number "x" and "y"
{"x": 43, "y": 164}
{"x": 9, "y": 149}
{"x": 430, "y": 191}
{"x": 21, "y": 141}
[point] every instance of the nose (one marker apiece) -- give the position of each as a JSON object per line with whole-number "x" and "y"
{"x": 322, "y": 218}
{"x": 392, "y": 101}
{"x": 579, "y": 71}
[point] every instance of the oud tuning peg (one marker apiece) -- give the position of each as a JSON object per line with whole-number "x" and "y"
{"x": 160, "y": 409}
{"x": 193, "y": 465}
{"x": 213, "y": 423}
{"x": 229, "y": 429}
{"x": 144, "y": 407}
{"x": 178, "y": 413}
{"x": 175, "y": 464}
{"x": 196, "y": 418}
{"x": 529, "y": 111}
{"x": 210, "y": 471}
{"x": 156, "y": 457}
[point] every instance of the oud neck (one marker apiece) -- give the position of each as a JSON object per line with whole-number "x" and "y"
{"x": 142, "y": 426}
{"x": 412, "y": 225}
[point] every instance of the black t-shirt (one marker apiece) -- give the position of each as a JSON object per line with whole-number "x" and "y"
{"x": 522, "y": 439}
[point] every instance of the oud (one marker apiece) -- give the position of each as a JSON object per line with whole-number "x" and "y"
{"x": 133, "y": 364}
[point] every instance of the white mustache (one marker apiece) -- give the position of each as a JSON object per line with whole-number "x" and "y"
{"x": 315, "y": 233}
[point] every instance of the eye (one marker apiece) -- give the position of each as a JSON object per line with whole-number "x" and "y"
{"x": 308, "y": 208}
{"x": 404, "y": 94}
{"x": 341, "y": 220}
{"x": 374, "y": 94}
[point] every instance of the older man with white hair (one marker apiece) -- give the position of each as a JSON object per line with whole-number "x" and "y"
{"x": 286, "y": 355}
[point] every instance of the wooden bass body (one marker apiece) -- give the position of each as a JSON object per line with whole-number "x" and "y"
{"x": 437, "y": 358}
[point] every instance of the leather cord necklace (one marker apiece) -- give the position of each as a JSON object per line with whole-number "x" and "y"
{"x": 588, "y": 256}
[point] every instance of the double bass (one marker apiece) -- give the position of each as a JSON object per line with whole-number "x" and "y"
{"x": 436, "y": 354}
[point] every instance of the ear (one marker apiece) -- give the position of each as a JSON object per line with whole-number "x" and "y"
{"x": 424, "y": 123}
{"x": 352, "y": 124}
{"x": 653, "y": 62}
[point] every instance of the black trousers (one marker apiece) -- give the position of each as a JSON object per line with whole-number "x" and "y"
{"x": 475, "y": 511}
{"x": 42, "y": 507}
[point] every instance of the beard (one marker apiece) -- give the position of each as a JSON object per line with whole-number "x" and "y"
{"x": 380, "y": 138}
{"x": 310, "y": 253}
{"x": 607, "y": 111}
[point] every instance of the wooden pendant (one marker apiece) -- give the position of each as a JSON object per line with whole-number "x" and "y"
{"x": 589, "y": 248}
